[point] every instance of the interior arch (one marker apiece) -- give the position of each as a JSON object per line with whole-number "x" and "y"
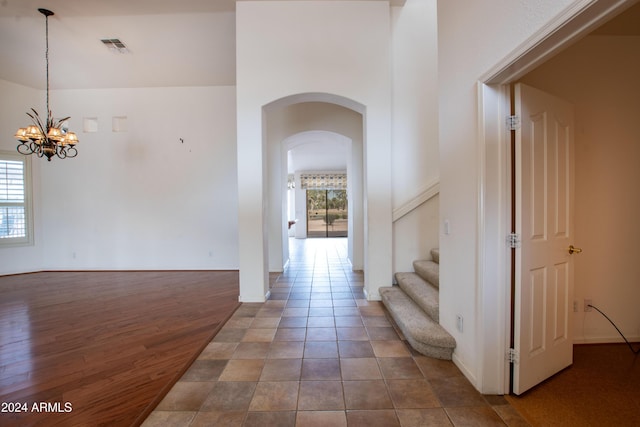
{"x": 304, "y": 119}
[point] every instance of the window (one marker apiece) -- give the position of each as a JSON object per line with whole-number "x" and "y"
{"x": 15, "y": 198}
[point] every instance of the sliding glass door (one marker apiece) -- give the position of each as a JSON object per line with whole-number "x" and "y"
{"x": 326, "y": 213}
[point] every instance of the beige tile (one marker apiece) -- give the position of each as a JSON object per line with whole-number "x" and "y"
{"x": 321, "y": 334}
{"x": 169, "y": 419}
{"x": 321, "y": 312}
{"x": 247, "y": 310}
{"x": 239, "y": 322}
{"x": 269, "y": 312}
{"x": 320, "y": 322}
{"x": 372, "y": 418}
{"x": 286, "y": 350}
{"x": 275, "y": 396}
{"x": 321, "y": 303}
{"x": 229, "y": 335}
{"x": 204, "y": 370}
{"x": 355, "y": 349}
{"x": 320, "y": 396}
{"x": 352, "y": 334}
{"x": 399, "y": 368}
{"x": 349, "y": 322}
{"x": 412, "y": 394}
{"x": 320, "y": 369}
{"x": 321, "y": 419}
{"x": 265, "y": 322}
{"x": 321, "y": 296}
{"x": 281, "y": 370}
{"x": 435, "y": 417}
{"x": 273, "y": 303}
{"x": 366, "y": 394}
{"x": 218, "y": 350}
{"x": 264, "y": 419}
{"x": 360, "y": 369}
{"x": 259, "y": 335}
{"x": 297, "y": 303}
{"x": 436, "y": 368}
{"x": 321, "y": 349}
{"x": 341, "y": 295}
{"x": 380, "y": 333}
{"x": 218, "y": 419}
{"x": 293, "y": 322}
{"x": 229, "y": 396}
{"x": 185, "y": 396}
{"x": 390, "y": 349}
{"x": 251, "y": 350}
{"x": 376, "y": 321}
{"x": 346, "y": 311}
{"x": 242, "y": 370}
{"x": 295, "y": 312}
{"x": 456, "y": 391}
{"x": 345, "y": 303}
{"x": 290, "y": 334}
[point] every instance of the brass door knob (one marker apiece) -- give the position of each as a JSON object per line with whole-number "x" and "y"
{"x": 574, "y": 250}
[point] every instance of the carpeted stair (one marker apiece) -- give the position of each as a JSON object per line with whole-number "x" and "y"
{"x": 414, "y": 305}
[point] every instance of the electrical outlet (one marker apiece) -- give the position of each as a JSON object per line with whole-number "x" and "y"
{"x": 587, "y": 304}
{"x": 459, "y": 323}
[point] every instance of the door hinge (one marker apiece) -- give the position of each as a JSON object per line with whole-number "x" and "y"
{"x": 513, "y": 240}
{"x": 513, "y": 122}
{"x": 513, "y": 356}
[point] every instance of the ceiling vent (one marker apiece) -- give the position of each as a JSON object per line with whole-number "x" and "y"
{"x": 115, "y": 45}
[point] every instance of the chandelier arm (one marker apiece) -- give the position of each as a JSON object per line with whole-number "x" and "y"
{"x": 23, "y": 148}
{"x": 71, "y": 152}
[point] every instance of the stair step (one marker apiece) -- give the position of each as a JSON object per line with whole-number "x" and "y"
{"x": 421, "y": 292}
{"x": 423, "y": 333}
{"x": 428, "y": 270}
{"x": 435, "y": 254}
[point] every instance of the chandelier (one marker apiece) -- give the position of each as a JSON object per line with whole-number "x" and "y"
{"x": 49, "y": 137}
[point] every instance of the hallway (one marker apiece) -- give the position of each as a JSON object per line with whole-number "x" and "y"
{"x": 318, "y": 354}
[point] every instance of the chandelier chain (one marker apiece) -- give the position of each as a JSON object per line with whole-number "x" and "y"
{"x": 46, "y": 56}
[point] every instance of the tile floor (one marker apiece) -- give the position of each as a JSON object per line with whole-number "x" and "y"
{"x": 317, "y": 353}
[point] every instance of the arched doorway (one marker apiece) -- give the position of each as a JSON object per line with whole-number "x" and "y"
{"x": 298, "y": 127}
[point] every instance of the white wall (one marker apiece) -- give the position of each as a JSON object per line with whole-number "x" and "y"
{"x": 472, "y": 38}
{"x": 415, "y": 234}
{"x": 290, "y": 48}
{"x": 599, "y": 75}
{"x": 143, "y": 199}
{"x": 15, "y": 101}
{"x": 414, "y": 156}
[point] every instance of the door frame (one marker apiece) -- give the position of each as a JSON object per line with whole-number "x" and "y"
{"x": 494, "y": 269}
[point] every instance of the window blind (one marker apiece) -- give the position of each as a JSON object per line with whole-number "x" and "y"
{"x": 12, "y": 200}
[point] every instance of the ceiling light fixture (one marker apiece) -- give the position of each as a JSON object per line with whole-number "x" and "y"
{"x": 47, "y": 138}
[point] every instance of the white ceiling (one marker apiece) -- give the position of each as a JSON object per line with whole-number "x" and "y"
{"x": 171, "y": 43}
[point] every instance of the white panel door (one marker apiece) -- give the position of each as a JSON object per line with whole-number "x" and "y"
{"x": 544, "y": 213}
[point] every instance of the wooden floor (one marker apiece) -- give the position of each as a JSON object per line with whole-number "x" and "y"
{"x": 102, "y": 348}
